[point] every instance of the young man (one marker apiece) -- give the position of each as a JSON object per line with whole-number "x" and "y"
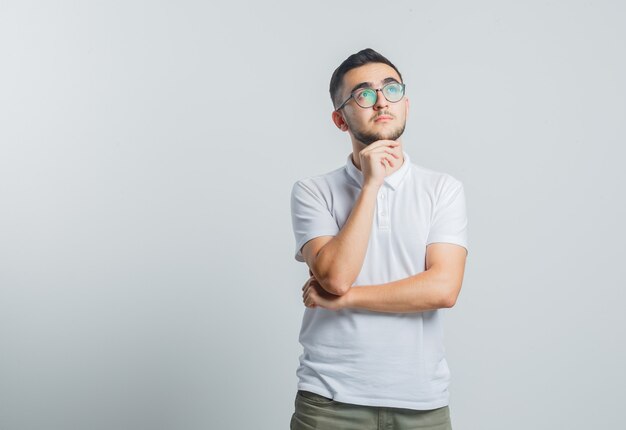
{"x": 386, "y": 242}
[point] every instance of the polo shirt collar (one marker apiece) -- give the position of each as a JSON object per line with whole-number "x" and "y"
{"x": 394, "y": 180}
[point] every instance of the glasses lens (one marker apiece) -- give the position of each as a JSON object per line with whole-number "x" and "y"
{"x": 365, "y": 98}
{"x": 393, "y": 92}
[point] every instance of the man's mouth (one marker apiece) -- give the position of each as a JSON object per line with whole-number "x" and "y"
{"x": 383, "y": 118}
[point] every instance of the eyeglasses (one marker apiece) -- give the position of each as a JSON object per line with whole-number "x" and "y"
{"x": 367, "y": 97}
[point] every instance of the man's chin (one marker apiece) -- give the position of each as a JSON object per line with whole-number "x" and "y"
{"x": 371, "y": 138}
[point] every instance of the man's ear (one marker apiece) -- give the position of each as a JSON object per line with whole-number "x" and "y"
{"x": 339, "y": 121}
{"x": 406, "y": 106}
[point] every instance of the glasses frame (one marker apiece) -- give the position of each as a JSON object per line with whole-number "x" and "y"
{"x": 376, "y": 90}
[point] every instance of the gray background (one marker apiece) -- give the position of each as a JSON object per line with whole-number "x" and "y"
{"x": 147, "y": 155}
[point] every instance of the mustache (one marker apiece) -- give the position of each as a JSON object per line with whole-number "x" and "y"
{"x": 385, "y": 113}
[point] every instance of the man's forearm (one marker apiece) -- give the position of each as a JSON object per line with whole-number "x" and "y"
{"x": 340, "y": 260}
{"x": 425, "y": 291}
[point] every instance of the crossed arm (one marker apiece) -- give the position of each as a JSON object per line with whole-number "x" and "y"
{"x": 437, "y": 287}
{"x": 335, "y": 261}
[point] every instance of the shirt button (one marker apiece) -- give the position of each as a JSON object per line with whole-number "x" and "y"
{"x": 382, "y": 196}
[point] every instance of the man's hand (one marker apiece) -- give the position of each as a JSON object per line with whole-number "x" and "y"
{"x": 378, "y": 160}
{"x": 313, "y": 295}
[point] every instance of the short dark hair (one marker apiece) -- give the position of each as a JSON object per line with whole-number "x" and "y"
{"x": 359, "y": 59}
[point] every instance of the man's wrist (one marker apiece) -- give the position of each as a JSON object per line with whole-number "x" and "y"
{"x": 371, "y": 188}
{"x": 347, "y": 298}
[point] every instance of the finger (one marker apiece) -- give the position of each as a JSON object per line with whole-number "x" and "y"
{"x": 394, "y": 153}
{"x": 377, "y": 145}
{"x": 378, "y": 148}
{"x": 389, "y": 161}
{"x": 391, "y": 153}
{"x": 384, "y": 158}
{"x": 370, "y": 150}
{"x": 383, "y": 152}
{"x": 379, "y": 154}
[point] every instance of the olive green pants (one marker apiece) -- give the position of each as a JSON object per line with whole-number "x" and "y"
{"x": 318, "y": 412}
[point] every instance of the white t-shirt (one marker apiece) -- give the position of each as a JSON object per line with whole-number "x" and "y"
{"x": 379, "y": 358}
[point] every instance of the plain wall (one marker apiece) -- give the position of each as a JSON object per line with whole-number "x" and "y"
{"x": 147, "y": 153}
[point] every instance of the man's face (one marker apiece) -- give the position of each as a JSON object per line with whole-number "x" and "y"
{"x": 383, "y": 121}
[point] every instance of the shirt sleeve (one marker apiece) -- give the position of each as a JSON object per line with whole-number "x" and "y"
{"x": 310, "y": 217}
{"x": 449, "y": 222}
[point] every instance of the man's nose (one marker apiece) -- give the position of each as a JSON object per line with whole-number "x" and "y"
{"x": 381, "y": 101}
